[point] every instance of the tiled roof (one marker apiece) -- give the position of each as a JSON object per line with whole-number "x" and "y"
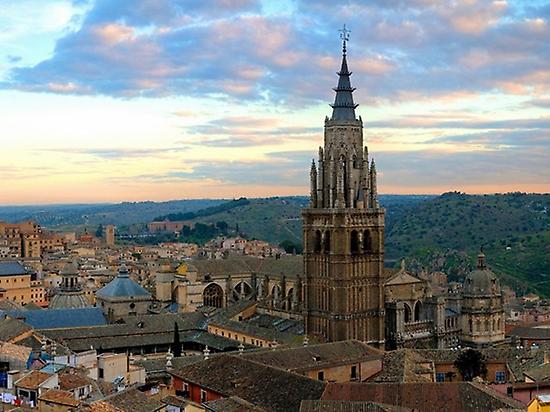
{"x": 71, "y": 381}
{"x": 33, "y": 380}
{"x": 130, "y": 400}
{"x": 315, "y": 356}
{"x": 288, "y": 265}
{"x": 527, "y": 332}
{"x": 539, "y": 373}
{"x": 405, "y": 365}
{"x": 122, "y": 287}
{"x": 425, "y": 397}
{"x": 60, "y": 318}
{"x": 60, "y": 397}
{"x": 11, "y": 351}
{"x": 142, "y": 330}
{"x": 6, "y": 305}
{"x": 232, "y": 404}
{"x": 12, "y": 328}
{"x": 12, "y": 269}
{"x": 349, "y": 406}
{"x": 263, "y": 386}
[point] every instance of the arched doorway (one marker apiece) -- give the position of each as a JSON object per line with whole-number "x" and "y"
{"x": 213, "y": 296}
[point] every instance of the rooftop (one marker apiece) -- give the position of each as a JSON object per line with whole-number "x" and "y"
{"x": 60, "y": 318}
{"x": 428, "y": 397}
{"x": 315, "y": 356}
{"x": 122, "y": 287}
{"x": 263, "y": 386}
{"x": 33, "y": 380}
{"x": 130, "y": 400}
{"x": 59, "y": 397}
{"x": 12, "y": 269}
{"x": 349, "y": 406}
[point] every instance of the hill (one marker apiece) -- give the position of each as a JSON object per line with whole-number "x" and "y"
{"x": 445, "y": 233}
{"x": 277, "y": 219}
{"x": 126, "y": 213}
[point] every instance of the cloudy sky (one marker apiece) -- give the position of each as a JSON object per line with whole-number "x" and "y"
{"x": 104, "y": 100}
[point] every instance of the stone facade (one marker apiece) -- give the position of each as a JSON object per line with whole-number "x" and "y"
{"x": 343, "y": 231}
{"x": 414, "y": 317}
{"x": 482, "y": 309}
{"x": 276, "y": 283}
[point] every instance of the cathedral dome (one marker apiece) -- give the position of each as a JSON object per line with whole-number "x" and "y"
{"x": 68, "y": 300}
{"x": 481, "y": 281}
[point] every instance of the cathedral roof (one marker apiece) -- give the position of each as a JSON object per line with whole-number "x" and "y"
{"x": 122, "y": 286}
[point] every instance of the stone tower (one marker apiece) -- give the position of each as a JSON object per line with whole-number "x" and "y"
{"x": 482, "y": 309}
{"x": 344, "y": 230}
{"x": 110, "y": 235}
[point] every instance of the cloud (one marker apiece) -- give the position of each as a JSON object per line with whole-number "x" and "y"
{"x": 238, "y": 131}
{"x": 463, "y": 121}
{"x": 116, "y": 153}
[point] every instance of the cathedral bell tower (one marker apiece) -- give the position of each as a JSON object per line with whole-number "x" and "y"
{"x": 344, "y": 230}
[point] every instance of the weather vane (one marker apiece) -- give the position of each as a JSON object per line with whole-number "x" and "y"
{"x": 344, "y": 35}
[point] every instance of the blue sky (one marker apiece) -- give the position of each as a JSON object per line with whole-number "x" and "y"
{"x": 160, "y": 99}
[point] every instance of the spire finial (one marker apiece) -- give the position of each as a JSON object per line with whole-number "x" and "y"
{"x": 344, "y": 35}
{"x": 481, "y": 259}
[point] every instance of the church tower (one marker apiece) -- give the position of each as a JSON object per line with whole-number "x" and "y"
{"x": 344, "y": 230}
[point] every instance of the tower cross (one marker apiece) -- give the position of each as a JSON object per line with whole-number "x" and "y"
{"x": 344, "y": 35}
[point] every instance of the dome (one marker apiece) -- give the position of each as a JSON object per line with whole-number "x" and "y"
{"x": 481, "y": 281}
{"x": 65, "y": 300}
{"x": 122, "y": 287}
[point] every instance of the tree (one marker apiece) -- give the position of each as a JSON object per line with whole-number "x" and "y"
{"x": 176, "y": 345}
{"x": 290, "y": 247}
{"x": 222, "y": 226}
{"x": 470, "y": 363}
{"x": 99, "y": 231}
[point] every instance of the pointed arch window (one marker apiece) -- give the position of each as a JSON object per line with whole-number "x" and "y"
{"x": 367, "y": 241}
{"x": 326, "y": 242}
{"x": 354, "y": 242}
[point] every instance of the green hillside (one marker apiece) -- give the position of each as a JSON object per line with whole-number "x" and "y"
{"x": 446, "y": 233}
{"x": 276, "y": 219}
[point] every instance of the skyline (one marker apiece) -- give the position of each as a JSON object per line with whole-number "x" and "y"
{"x": 149, "y": 100}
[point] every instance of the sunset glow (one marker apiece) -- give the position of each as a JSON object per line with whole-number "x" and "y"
{"x": 108, "y": 101}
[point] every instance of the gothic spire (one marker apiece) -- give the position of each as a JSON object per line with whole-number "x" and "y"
{"x": 343, "y": 107}
{"x": 313, "y": 181}
{"x": 373, "y": 190}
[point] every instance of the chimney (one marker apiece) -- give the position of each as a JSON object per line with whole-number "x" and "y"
{"x": 206, "y": 353}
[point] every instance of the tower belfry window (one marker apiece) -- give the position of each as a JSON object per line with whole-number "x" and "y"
{"x": 326, "y": 242}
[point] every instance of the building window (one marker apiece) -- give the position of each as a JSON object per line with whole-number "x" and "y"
{"x": 440, "y": 377}
{"x": 354, "y": 372}
{"x": 203, "y": 395}
{"x": 100, "y": 373}
{"x": 500, "y": 376}
{"x": 321, "y": 375}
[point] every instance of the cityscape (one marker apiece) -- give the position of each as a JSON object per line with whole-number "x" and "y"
{"x": 246, "y": 205}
